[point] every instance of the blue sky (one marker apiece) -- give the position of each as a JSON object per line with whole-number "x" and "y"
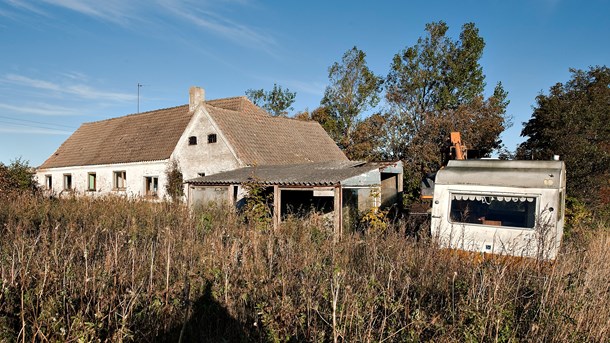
{"x": 65, "y": 62}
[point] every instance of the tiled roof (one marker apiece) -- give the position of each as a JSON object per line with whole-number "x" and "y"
{"x": 267, "y": 140}
{"x": 238, "y": 104}
{"x": 256, "y": 137}
{"x": 147, "y": 136}
{"x": 308, "y": 174}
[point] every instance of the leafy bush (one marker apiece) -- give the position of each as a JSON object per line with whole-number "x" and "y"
{"x": 17, "y": 176}
{"x": 175, "y": 181}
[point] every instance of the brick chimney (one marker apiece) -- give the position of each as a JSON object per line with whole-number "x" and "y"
{"x": 196, "y": 96}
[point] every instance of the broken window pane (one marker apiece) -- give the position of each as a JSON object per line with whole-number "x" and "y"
{"x": 152, "y": 185}
{"x": 120, "y": 179}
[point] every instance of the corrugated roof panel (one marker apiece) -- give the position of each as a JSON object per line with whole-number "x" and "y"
{"x": 307, "y": 174}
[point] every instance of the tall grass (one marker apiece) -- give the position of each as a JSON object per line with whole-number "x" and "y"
{"x": 121, "y": 270}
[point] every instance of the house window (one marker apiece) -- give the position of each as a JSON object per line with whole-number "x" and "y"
{"x": 201, "y": 174}
{"x": 212, "y": 138}
{"x": 48, "y": 181}
{"x": 193, "y": 140}
{"x": 91, "y": 182}
{"x": 67, "y": 182}
{"x": 120, "y": 180}
{"x": 494, "y": 209}
{"x": 152, "y": 185}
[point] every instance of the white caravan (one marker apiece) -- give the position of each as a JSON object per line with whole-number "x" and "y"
{"x": 500, "y": 207}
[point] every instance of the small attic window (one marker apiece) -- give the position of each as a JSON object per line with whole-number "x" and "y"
{"x": 211, "y": 138}
{"x": 193, "y": 140}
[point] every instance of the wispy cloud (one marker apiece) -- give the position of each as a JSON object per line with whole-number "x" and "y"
{"x": 216, "y": 23}
{"x": 81, "y": 91}
{"x": 41, "y": 109}
{"x": 116, "y": 11}
{"x": 26, "y": 6}
{"x": 314, "y": 88}
{"x": 34, "y": 131}
{"x": 205, "y": 15}
{"x": 74, "y": 75}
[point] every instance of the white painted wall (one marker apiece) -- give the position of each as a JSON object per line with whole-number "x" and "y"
{"x": 135, "y": 178}
{"x": 500, "y": 239}
{"x": 208, "y": 158}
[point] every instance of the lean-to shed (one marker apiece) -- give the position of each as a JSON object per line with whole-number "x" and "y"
{"x": 337, "y": 187}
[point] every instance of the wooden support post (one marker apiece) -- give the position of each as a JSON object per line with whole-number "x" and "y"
{"x": 189, "y": 197}
{"x": 231, "y": 197}
{"x": 338, "y": 213}
{"x": 277, "y": 207}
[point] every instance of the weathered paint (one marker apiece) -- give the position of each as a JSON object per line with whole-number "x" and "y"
{"x": 544, "y": 182}
{"x": 323, "y": 191}
{"x": 203, "y": 158}
{"x": 205, "y": 195}
{"x": 135, "y": 178}
{"x": 370, "y": 178}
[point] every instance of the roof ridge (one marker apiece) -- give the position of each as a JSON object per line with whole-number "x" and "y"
{"x": 228, "y": 98}
{"x": 295, "y": 119}
{"x": 170, "y": 108}
{"x": 244, "y": 104}
{"x": 134, "y": 114}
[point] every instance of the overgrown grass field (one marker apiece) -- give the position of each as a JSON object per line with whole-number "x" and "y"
{"x": 116, "y": 270}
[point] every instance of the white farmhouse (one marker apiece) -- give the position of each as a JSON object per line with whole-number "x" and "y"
{"x": 130, "y": 155}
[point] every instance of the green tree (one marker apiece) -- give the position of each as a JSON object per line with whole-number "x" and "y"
{"x": 436, "y": 87}
{"x": 277, "y": 101}
{"x": 353, "y": 90}
{"x": 17, "y": 176}
{"x": 572, "y": 121}
{"x": 368, "y": 139}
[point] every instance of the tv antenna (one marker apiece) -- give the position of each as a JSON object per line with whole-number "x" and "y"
{"x": 139, "y": 86}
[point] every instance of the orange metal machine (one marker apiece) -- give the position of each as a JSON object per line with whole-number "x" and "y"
{"x": 455, "y": 150}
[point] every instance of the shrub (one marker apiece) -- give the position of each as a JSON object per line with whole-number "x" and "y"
{"x": 17, "y": 176}
{"x": 175, "y": 181}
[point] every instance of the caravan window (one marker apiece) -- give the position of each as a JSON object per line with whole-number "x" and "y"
{"x": 494, "y": 209}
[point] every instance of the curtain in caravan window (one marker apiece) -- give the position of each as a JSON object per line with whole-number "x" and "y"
{"x": 481, "y": 197}
{"x": 493, "y": 209}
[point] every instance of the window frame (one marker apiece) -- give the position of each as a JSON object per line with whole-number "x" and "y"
{"x": 212, "y": 138}
{"x": 89, "y": 175}
{"x": 48, "y": 181}
{"x": 68, "y": 185}
{"x": 192, "y": 140}
{"x": 147, "y": 192}
{"x": 123, "y": 180}
{"x": 491, "y": 222}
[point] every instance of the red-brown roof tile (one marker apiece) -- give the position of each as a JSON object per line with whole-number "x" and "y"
{"x": 257, "y": 137}
{"x": 147, "y": 136}
{"x": 267, "y": 140}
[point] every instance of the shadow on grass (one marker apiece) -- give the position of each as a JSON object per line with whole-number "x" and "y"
{"x": 209, "y": 321}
